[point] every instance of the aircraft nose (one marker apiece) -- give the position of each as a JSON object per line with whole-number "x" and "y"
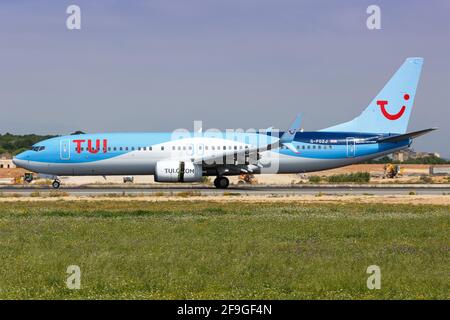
{"x": 19, "y": 160}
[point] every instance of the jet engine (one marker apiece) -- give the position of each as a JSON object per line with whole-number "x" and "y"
{"x": 177, "y": 171}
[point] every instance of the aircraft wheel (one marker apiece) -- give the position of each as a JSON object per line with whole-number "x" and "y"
{"x": 56, "y": 184}
{"x": 221, "y": 182}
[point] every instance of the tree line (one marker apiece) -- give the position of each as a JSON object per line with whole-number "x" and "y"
{"x": 11, "y": 144}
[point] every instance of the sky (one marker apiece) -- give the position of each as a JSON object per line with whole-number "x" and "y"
{"x": 159, "y": 65}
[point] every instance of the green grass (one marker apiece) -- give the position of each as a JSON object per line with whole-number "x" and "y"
{"x": 315, "y": 179}
{"x": 356, "y": 177}
{"x": 131, "y": 249}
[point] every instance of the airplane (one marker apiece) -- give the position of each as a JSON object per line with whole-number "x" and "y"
{"x": 379, "y": 130}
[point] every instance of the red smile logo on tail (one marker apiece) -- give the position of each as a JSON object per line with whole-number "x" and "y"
{"x": 387, "y": 115}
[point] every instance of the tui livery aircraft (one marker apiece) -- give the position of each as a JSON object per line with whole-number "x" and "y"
{"x": 188, "y": 156}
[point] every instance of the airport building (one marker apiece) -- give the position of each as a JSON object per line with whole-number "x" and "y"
{"x": 408, "y": 154}
{"x": 6, "y": 163}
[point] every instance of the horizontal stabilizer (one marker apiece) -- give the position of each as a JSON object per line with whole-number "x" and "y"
{"x": 410, "y": 135}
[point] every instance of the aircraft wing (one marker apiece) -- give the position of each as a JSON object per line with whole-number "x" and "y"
{"x": 251, "y": 151}
{"x": 289, "y": 135}
{"x": 410, "y": 135}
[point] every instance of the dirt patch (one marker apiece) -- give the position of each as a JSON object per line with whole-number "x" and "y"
{"x": 11, "y": 173}
{"x": 397, "y": 199}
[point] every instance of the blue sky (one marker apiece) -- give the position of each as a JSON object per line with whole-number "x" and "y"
{"x": 160, "y": 65}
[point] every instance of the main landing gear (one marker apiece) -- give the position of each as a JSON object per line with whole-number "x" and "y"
{"x": 56, "y": 184}
{"x": 221, "y": 182}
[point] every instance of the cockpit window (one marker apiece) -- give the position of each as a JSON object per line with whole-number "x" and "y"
{"x": 37, "y": 148}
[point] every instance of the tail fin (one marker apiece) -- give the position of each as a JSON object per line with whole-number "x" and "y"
{"x": 389, "y": 111}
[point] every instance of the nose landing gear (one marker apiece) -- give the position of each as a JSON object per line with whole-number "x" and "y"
{"x": 56, "y": 184}
{"x": 221, "y": 182}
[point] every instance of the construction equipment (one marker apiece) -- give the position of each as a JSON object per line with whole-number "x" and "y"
{"x": 247, "y": 178}
{"x": 129, "y": 179}
{"x": 392, "y": 171}
{"x": 28, "y": 177}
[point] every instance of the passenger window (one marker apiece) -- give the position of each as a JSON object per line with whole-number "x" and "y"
{"x": 126, "y": 148}
{"x": 213, "y": 148}
{"x": 144, "y": 148}
{"x": 162, "y": 148}
{"x": 150, "y": 149}
{"x": 224, "y": 147}
{"x": 173, "y": 147}
{"x": 132, "y": 148}
{"x": 184, "y": 148}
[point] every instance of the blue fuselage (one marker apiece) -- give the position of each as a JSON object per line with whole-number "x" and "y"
{"x": 138, "y": 153}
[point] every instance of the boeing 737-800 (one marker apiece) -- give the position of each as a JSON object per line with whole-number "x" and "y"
{"x": 379, "y": 130}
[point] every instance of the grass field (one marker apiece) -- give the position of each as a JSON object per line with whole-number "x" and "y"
{"x": 184, "y": 250}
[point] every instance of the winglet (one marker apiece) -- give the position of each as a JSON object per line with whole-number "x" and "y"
{"x": 289, "y": 135}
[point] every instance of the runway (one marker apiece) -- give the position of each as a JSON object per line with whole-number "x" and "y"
{"x": 259, "y": 190}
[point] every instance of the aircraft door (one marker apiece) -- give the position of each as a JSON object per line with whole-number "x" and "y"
{"x": 64, "y": 150}
{"x": 351, "y": 148}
